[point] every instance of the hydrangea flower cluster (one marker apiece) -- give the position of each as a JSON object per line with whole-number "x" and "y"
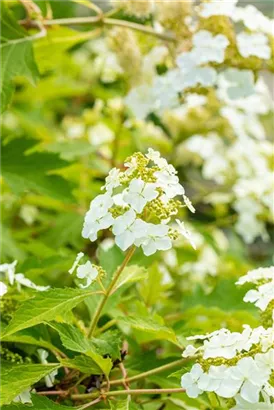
{"x": 190, "y": 72}
{"x": 18, "y": 279}
{"x": 139, "y": 204}
{"x": 227, "y": 160}
{"x": 237, "y": 365}
{"x": 196, "y": 65}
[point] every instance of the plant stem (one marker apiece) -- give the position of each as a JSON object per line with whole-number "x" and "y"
{"x": 149, "y": 372}
{"x": 96, "y": 317}
{"x": 109, "y": 324}
{"x": 72, "y": 21}
{"x": 85, "y": 406}
{"x": 99, "y": 19}
{"x": 127, "y": 392}
{"x": 53, "y": 393}
{"x": 138, "y": 27}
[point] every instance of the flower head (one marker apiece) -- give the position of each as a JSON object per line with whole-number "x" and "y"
{"x": 86, "y": 271}
{"x": 138, "y": 205}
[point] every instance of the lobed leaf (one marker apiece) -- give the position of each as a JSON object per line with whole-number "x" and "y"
{"x": 17, "y": 377}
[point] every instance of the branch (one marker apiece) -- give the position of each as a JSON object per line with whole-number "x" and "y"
{"x": 85, "y": 406}
{"x": 53, "y": 393}
{"x": 127, "y": 392}
{"x": 42, "y": 33}
{"x": 139, "y": 27}
{"x": 31, "y": 8}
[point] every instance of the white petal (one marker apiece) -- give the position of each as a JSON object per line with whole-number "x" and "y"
{"x": 122, "y": 222}
{"x": 124, "y": 240}
{"x": 136, "y": 185}
{"x": 76, "y": 262}
{"x": 250, "y": 392}
{"x": 193, "y": 391}
{"x": 3, "y": 289}
{"x": 149, "y": 247}
{"x": 163, "y": 244}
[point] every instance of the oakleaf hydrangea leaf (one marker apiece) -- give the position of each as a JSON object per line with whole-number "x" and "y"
{"x": 17, "y": 377}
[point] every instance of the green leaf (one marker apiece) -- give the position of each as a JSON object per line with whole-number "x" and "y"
{"x": 50, "y": 49}
{"x": 17, "y": 377}
{"x": 8, "y": 245}
{"x": 45, "y": 306}
{"x": 73, "y": 339}
{"x": 121, "y": 404}
{"x": 150, "y": 326}
{"x": 222, "y": 296}
{"x": 31, "y": 172}
{"x": 83, "y": 363}
{"x": 110, "y": 259}
{"x": 66, "y": 229}
{"x": 152, "y": 289}
{"x": 109, "y": 343}
{"x": 39, "y": 403}
{"x": 30, "y": 336}
{"x": 131, "y": 274}
{"x": 16, "y": 55}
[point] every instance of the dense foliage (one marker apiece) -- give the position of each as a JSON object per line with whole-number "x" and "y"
{"x": 137, "y": 205}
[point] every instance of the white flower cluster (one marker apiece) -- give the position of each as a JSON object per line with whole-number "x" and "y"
{"x": 138, "y": 205}
{"x": 228, "y": 162}
{"x": 164, "y": 92}
{"x": 193, "y": 66}
{"x": 232, "y": 364}
{"x": 8, "y": 269}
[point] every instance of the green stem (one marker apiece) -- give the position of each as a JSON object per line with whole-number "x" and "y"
{"x": 149, "y": 372}
{"x": 99, "y": 19}
{"x": 127, "y": 392}
{"x": 138, "y": 27}
{"x": 98, "y": 312}
{"x": 109, "y": 324}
